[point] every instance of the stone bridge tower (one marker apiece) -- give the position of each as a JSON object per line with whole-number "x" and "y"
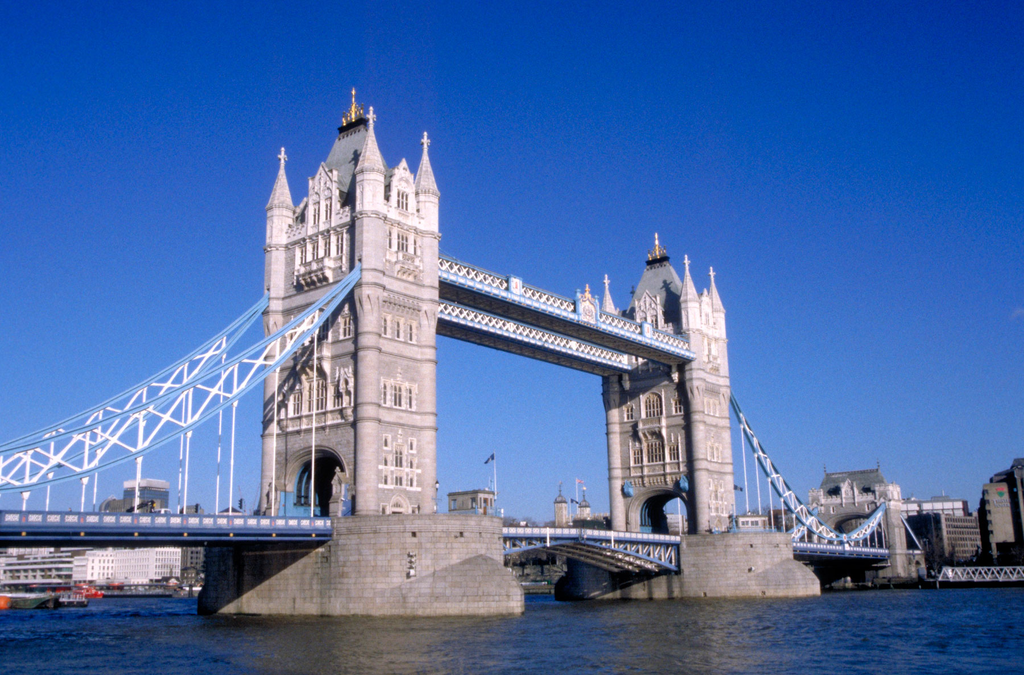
{"x": 669, "y": 428}
{"x": 364, "y": 404}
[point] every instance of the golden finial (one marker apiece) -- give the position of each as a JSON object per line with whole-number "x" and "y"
{"x": 354, "y": 112}
{"x": 657, "y": 252}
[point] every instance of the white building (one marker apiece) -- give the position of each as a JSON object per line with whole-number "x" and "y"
{"x": 130, "y": 566}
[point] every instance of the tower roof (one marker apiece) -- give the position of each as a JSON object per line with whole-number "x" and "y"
{"x": 716, "y": 302}
{"x": 863, "y": 478}
{"x": 281, "y": 195}
{"x": 370, "y": 158}
{"x": 425, "y": 174}
{"x": 344, "y": 155}
{"x": 661, "y": 281}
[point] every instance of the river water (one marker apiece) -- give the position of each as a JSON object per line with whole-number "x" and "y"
{"x": 925, "y": 631}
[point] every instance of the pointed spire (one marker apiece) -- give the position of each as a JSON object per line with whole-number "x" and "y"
{"x": 607, "y": 306}
{"x": 281, "y": 195}
{"x": 370, "y": 158}
{"x": 689, "y": 290}
{"x": 425, "y": 174}
{"x": 658, "y": 253}
{"x": 716, "y": 302}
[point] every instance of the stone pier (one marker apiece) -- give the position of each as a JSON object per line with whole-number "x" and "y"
{"x": 412, "y": 565}
{"x": 711, "y": 566}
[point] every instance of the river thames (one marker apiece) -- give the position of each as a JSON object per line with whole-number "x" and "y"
{"x": 927, "y": 631}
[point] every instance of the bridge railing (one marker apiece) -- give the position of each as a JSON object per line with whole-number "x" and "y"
{"x": 513, "y": 289}
{"x": 982, "y": 574}
{"x": 129, "y": 526}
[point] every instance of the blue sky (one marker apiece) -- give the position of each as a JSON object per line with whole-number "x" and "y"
{"x": 853, "y": 174}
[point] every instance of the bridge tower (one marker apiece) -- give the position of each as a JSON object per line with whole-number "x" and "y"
{"x": 668, "y": 428}
{"x": 369, "y": 392}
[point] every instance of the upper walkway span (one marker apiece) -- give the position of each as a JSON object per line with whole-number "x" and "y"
{"x": 505, "y": 313}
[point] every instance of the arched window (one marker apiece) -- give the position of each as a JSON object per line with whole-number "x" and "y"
{"x": 321, "y": 395}
{"x": 652, "y": 405}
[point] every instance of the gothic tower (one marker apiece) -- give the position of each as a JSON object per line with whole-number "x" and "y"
{"x": 363, "y": 405}
{"x": 669, "y": 428}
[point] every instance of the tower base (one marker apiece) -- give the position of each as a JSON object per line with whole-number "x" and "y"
{"x": 414, "y": 565}
{"x": 710, "y": 566}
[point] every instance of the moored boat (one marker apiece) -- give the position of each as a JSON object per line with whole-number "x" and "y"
{"x": 29, "y": 601}
{"x": 72, "y": 599}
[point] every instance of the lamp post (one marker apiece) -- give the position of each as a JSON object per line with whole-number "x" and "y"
{"x": 437, "y": 490}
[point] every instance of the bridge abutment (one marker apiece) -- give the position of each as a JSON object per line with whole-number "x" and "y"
{"x": 710, "y": 566}
{"x": 412, "y": 565}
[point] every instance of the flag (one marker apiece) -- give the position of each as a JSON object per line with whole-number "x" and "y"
{"x": 490, "y": 459}
{"x": 573, "y": 500}
{"x": 579, "y": 481}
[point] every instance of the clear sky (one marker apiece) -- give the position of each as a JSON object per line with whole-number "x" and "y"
{"x": 853, "y": 173}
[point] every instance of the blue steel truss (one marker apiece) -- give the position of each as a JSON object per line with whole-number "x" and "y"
{"x": 613, "y": 551}
{"x": 810, "y": 528}
{"x": 531, "y": 337}
{"x": 170, "y": 404}
{"x": 40, "y": 528}
{"x": 637, "y": 338}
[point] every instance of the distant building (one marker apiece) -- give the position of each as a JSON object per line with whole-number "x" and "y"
{"x": 154, "y": 495}
{"x": 46, "y": 566}
{"x": 472, "y": 501}
{"x": 1000, "y": 516}
{"x": 942, "y": 505}
{"x": 562, "y": 510}
{"x": 193, "y": 565}
{"x": 128, "y": 565}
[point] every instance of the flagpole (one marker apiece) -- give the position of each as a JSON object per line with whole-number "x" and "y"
{"x": 495, "y": 476}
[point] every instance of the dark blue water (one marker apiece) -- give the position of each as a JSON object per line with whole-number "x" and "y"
{"x": 946, "y": 631}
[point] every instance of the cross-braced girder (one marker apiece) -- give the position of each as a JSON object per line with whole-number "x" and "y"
{"x": 809, "y": 527}
{"x": 609, "y": 550}
{"x": 509, "y": 298}
{"x": 172, "y": 403}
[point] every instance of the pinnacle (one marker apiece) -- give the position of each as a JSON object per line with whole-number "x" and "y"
{"x": 425, "y": 174}
{"x": 370, "y": 158}
{"x": 281, "y": 195}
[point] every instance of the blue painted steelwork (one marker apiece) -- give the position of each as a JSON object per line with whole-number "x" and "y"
{"x": 809, "y": 523}
{"x": 804, "y": 549}
{"x": 512, "y": 290}
{"x": 614, "y": 551}
{"x": 536, "y": 338}
{"x": 217, "y": 383}
{"x": 35, "y": 528}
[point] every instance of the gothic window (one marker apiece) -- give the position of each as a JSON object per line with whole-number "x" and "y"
{"x": 296, "y": 403}
{"x": 403, "y": 200}
{"x": 673, "y": 448}
{"x": 323, "y": 332}
{"x": 652, "y": 405}
{"x": 316, "y": 214}
{"x": 327, "y": 247}
{"x": 638, "y": 455}
{"x": 396, "y": 329}
{"x": 629, "y": 412}
{"x": 403, "y": 242}
{"x": 408, "y": 332}
{"x": 677, "y": 406}
{"x": 399, "y": 456}
{"x": 384, "y": 325}
{"x": 714, "y": 448}
{"x": 336, "y": 396}
{"x": 345, "y": 326}
{"x": 396, "y": 397}
{"x": 711, "y": 406}
{"x": 316, "y": 249}
{"x": 327, "y": 210}
{"x": 321, "y": 395}
{"x": 391, "y": 239}
{"x": 302, "y": 255}
{"x": 655, "y": 450}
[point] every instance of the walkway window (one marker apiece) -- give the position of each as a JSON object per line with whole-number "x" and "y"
{"x": 629, "y": 412}
{"x": 321, "y": 395}
{"x": 638, "y": 455}
{"x": 652, "y": 406}
{"x": 677, "y": 406}
{"x": 655, "y": 451}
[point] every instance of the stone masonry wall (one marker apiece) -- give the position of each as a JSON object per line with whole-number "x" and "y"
{"x": 455, "y": 569}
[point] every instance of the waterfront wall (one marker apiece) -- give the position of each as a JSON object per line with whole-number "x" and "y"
{"x": 711, "y": 566}
{"x": 413, "y": 565}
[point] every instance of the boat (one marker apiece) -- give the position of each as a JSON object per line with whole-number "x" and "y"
{"x": 88, "y": 592}
{"x": 72, "y": 599}
{"x": 28, "y": 601}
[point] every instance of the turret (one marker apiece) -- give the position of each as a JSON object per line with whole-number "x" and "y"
{"x": 280, "y": 217}
{"x": 561, "y": 509}
{"x": 689, "y": 302}
{"x": 370, "y": 172}
{"x": 427, "y": 195}
{"x": 607, "y": 306}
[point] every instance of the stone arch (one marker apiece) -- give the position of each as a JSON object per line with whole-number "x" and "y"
{"x": 299, "y": 474}
{"x": 399, "y": 505}
{"x": 646, "y": 511}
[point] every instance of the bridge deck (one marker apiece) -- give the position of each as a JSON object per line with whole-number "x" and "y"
{"x": 41, "y": 528}
{"x": 508, "y": 297}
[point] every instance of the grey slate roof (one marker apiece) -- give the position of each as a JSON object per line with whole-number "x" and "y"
{"x": 345, "y": 155}
{"x": 864, "y": 478}
{"x": 661, "y": 280}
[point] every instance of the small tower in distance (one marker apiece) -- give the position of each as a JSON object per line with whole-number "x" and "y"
{"x": 561, "y": 509}
{"x": 583, "y": 510}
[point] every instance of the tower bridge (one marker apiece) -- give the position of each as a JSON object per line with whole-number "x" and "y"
{"x": 356, "y": 293}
